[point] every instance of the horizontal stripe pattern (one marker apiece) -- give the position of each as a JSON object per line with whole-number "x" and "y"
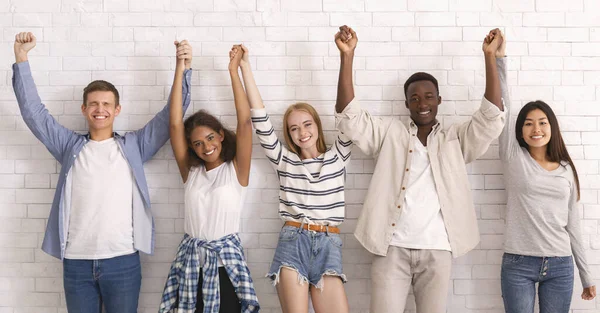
{"x": 310, "y": 191}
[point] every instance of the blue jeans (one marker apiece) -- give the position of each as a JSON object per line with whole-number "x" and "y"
{"x": 311, "y": 254}
{"x": 114, "y": 282}
{"x": 520, "y": 274}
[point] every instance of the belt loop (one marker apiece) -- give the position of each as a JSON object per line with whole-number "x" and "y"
{"x": 301, "y": 227}
{"x": 327, "y": 230}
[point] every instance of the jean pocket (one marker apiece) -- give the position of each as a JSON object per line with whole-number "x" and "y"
{"x": 509, "y": 258}
{"x": 335, "y": 240}
{"x": 565, "y": 259}
{"x": 288, "y": 234}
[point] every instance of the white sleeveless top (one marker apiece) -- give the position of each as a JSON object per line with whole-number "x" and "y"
{"x": 213, "y": 202}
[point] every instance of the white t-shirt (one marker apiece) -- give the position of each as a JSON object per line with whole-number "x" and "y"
{"x": 421, "y": 225}
{"x": 213, "y": 202}
{"x": 101, "y": 221}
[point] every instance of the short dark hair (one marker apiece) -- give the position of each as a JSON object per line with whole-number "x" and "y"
{"x": 556, "y": 150}
{"x": 100, "y": 85}
{"x": 203, "y": 118}
{"x": 418, "y": 77}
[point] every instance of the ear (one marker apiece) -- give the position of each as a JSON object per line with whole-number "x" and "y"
{"x": 83, "y": 107}
{"x": 117, "y": 110}
{"x": 439, "y": 100}
{"x": 222, "y": 133}
{"x": 406, "y": 103}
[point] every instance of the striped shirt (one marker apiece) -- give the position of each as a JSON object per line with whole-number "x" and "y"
{"x": 311, "y": 191}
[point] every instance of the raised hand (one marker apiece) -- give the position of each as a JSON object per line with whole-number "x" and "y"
{"x": 184, "y": 53}
{"x": 245, "y": 57}
{"x": 24, "y": 42}
{"x": 494, "y": 43}
{"x": 235, "y": 57}
{"x": 346, "y": 39}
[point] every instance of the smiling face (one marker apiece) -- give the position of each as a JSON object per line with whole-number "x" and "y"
{"x": 422, "y": 101}
{"x": 303, "y": 130}
{"x": 207, "y": 144}
{"x": 100, "y": 110}
{"x": 536, "y": 129}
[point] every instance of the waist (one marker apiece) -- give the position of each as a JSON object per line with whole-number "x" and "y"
{"x": 311, "y": 227}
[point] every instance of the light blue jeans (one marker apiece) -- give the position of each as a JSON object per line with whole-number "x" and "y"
{"x": 553, "y": 274}
{"x": 114, "y": 282}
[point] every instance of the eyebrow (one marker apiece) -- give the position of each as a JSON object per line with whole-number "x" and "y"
{"x": 539, "y": 119}
{"x": 204, "y": 137}
{"x": 307, "y": 121}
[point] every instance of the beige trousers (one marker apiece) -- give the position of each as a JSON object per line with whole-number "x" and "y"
{"x": 428, "y": 271}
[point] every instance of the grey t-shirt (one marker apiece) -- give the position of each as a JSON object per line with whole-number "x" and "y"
{"x": 542, "y": 212}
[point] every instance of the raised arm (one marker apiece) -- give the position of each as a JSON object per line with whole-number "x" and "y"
{"x": 155, "y": 133}
{"x": 54, "y": 136}
{"x": 273, "y": 148}
{"x": 176, "y": 129}
{"x": 243, "y": 142}
{"x": 492, "y": 45}
{"x": 346, "y": 41}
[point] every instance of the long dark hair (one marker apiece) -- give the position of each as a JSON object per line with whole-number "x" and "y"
{"x": 556, "y": 151}
{"x": 203, "y": 118}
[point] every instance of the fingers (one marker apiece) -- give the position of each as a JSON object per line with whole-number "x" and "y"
{"x": 184, "y": 49}
{"x": 244, "y": 48}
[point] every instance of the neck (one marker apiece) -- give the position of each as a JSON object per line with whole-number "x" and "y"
{"x": 538, "y": 153}
{"x": 309, "y": 153}
{"x": 101, "y": 134}
{"x": 212, "y": 165}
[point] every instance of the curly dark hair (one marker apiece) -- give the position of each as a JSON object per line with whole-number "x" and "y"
{"x": 203, "y": 118}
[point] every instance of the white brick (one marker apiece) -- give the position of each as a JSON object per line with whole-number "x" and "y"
{"x": 385, "y": 6}
{"x": 440, "y": 34}
{"x": 353, "y": 20}
{"x": 527, "y": 34}
{"x": 95, "y": 19}
{"x": 32, "y": 19}
{"x": 234, "y": 5}
{"x": 69, "y": 78}
{"x": 533, "y": 78}
{"x": 467, "y": 19}
{"x": 302, "y": 48}
{"x": 586, "y": 49}
{"x": 544, "y": 19}
{"x": 307, "y": 19}
{"x": 470, "y": 5}
{"x": 515, "y": 5}
{"x": 239, "y": 34}
{"x": 572, "y": 78}
{"x": 559, "y": 5}
{"x": 589, "y": 18}
{"x": 568, "y": 35}
{"x": 70, "y": 49}
{"x": 303, "y": 6}
{"x": 393, "y": 19}
{"x": 405, "y": 34}
{"x": 549, "y": 49}
{"x": 36, "y": 6}
{"x": 578, "y": 93}
{"x": 343, "y": 5}
{"x": 130, "y": 19}
{"x": 289, "y": 34}
{"x": 427, "y": 5}
{"x": 435, "y": 19}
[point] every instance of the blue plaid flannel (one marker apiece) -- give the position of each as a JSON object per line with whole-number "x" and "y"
{"x": 181, "y": 288}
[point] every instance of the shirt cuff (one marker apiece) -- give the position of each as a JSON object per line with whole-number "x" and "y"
{"x": 258, "y": 112}
{"x": 351, "y": 110}
{"x": 490, "y": 110}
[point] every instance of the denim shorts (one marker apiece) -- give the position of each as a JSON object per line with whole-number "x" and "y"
{"x": 311, "y": 254}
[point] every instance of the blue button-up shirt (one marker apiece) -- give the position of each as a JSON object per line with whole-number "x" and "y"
{"x": 64, "y": 144}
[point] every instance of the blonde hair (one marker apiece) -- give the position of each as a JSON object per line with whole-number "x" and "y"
{"x": 301, "y": 106}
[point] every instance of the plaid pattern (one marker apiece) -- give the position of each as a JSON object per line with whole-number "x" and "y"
{"x": 181, "y": 287}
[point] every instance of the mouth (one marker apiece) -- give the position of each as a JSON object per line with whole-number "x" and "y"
{"x": 537, "y": 137}
{"x": 424, "y": 113}
{"x": 305, "y": 139}
{"x": 99, "y": 117}
{"x": 210, "y": 152}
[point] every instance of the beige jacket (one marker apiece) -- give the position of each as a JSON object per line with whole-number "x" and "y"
{"x": 391, "y": 143}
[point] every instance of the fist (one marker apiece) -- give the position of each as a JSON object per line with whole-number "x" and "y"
{"x": 346, "y": 39}
{"x": 494, "y": 43}
{"x": 23, "y": 43}
{"x": 235, "y": 57}
{"x": 184, "y": 53}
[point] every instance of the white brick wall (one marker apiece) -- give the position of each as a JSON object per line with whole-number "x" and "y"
{"x": 555, "y": 56}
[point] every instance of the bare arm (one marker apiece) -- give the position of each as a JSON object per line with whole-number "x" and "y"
{"x": 243, "y": 153}
{"x": 346, "y": 41}
{"x": 176, "y": 129}
{"x": 256, "y": 101}
{"x": 491, "y": 44}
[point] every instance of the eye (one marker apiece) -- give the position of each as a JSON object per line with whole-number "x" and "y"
{"x": 210, "y": 138}
{"x": 293, "y": 129}
{"x": 308, "y": 124}
{"x": 527, "y": 124}
{"x": 429, "y": 97}
{"x": 414, "y": 99}
{"x": 197, "y": 144}
{"x": 543, "y": 123}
